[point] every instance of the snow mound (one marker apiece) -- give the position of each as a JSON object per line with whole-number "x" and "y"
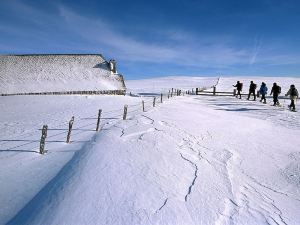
{"x": 56, "y": 73}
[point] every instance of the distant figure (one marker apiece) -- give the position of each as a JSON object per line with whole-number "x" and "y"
{"x": 263, "y": 91}
{"x": 276, "y": 90}
{"x": 252, "y": 88}
{"x": 293, "y": 93}
{"x": 239, "y": 87}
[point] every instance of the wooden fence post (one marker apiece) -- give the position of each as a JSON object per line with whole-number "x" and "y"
{"x": 143, "y": 103}
{"x": 234, "y": 92}
{"x": 43, "y": 138}
{"x": 161, "y": 96}
{"x": 125, "y": 112}
{"x": 168, "y": 96}
{"x": 70, "y": 129}
{"x": 154, "y": 101}
{"x": 98, "y": 120}
{"x": 214, "y": 90}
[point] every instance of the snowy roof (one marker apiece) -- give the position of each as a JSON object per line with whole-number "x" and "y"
{"x": 56, "y": 72}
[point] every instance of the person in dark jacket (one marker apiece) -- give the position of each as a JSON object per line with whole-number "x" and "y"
{"x": 293, "y": 93}
{"x": 263, "y": 91}
{"x": 276, "y": 90}
{"x": 239, "y": 87}
{"x": 252, "y": 88}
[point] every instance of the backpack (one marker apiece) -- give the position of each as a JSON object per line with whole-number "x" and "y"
{"x": 279, "y": 89}
{"x": 252, "y": 86}
{"x": 293, "y": 92}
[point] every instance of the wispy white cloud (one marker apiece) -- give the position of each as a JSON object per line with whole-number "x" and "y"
{"x": 64, "y": 29}
{"x": 256, "y": 49}
{"x": 183, "y": 48}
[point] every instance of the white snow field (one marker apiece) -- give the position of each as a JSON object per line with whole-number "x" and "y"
{"x": 189, "y": 160}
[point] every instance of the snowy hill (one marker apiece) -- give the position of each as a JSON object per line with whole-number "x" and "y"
{"x": 163, "y": 84}
{"x": 189, "y": 160}
{"x": 56, "y": 73}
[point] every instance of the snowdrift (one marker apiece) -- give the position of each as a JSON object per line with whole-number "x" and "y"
{"x": 56, "y": 73}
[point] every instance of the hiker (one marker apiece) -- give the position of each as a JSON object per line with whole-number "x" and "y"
{"x": 263, "y": 91}
{"x": 276, "y": 90}
{"x": 252, "y": 88}
{"x": 293, "y": 93}
{"x": 239, "y": 87}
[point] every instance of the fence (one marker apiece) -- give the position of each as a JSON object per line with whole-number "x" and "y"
{"x": 108, "y": 117}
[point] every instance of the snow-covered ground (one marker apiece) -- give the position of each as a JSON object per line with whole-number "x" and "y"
{"x": 190, "y": 160}
{"x": 163, "y": 84}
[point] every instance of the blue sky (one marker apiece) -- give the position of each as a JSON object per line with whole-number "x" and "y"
{"x": 158, "y": 38}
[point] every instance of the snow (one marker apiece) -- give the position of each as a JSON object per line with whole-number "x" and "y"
{"x": 189, "y": 160}
{"x": 56, "y": 73}
{"x": 163, "y": 84}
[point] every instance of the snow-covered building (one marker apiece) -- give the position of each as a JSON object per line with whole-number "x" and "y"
{"x": 59, "y": 74}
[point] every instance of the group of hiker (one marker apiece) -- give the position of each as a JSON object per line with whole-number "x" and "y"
{"x": 263, "y": 91}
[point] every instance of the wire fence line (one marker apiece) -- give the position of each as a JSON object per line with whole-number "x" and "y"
{"x": 57, "y": 133}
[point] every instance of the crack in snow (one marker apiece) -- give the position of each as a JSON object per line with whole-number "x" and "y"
{"x": 267, "y": 187}
{"x": 122, "y": 130}
{"x": 271, "y": 203}
{"x": 147, "y": 117}
{"x": 163, "y": 205}
{"x": 195, "y": 176}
